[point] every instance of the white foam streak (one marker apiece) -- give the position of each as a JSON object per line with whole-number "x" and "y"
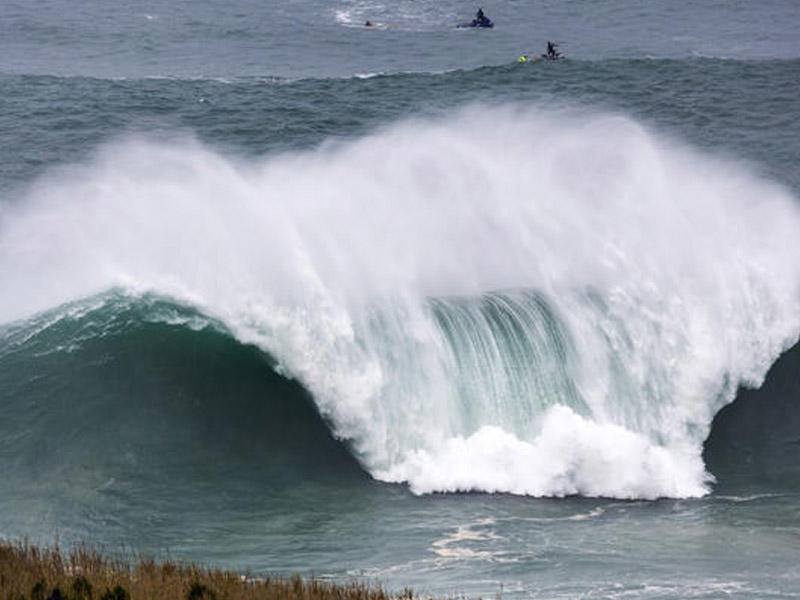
{"x": 641, "y": 283}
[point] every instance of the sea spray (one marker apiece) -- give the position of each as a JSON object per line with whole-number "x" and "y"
{"x": 507, "y": 299}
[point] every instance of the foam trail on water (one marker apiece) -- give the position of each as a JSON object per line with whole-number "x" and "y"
{"x": 506, "y": 300}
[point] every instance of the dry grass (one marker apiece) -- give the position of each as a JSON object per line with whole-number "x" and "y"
{"x": 31, "y": 573}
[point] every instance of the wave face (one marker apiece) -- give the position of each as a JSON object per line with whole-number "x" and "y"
{"x": 138, "y": 385}
{"x": 122, "y": 415}
{"x": 754, "y": 440}
{"x": 506, "y": 300}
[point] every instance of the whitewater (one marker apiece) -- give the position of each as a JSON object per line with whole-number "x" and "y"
{"x": 508, "y": 298}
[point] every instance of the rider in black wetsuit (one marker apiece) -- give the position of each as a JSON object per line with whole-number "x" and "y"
{"x": 552, "y": 53}
{"x": 480, "y": 18}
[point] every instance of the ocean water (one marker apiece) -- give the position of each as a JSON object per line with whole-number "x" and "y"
{"x": 283, "y": 293}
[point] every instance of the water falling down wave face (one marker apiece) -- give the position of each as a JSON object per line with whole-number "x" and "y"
{"x": 510, "y": 300}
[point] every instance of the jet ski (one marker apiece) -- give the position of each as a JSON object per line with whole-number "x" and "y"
{"x": 484, "y": 23}
{"x": 551, "y": 54}
{"x": 538, "y": 57}
{"x": 480, "y": 21}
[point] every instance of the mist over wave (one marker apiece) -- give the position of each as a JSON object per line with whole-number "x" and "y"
{"x": 508, "y": 299}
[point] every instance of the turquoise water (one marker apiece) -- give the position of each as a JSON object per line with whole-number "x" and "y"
{"x": 283, "y": 293}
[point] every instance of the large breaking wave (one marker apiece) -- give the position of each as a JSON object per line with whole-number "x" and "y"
{"x": 506, "y": 300}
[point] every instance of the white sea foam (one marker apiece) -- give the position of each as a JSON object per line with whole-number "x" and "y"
{"x": 343, "y": 17}
{"x": 572, "y": 455}
{"x": 635, "y": 283}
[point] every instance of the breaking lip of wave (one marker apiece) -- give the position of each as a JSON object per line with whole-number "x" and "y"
{"x": 507, "y": 299}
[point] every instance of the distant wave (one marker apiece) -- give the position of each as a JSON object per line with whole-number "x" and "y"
{"x": 538, "y": 303}
{"x": 575, "y": 64}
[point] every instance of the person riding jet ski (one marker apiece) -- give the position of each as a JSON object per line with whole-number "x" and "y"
{"x": 551, "y": 54}
{"x": 552, "y": 51}
{"x": 481, "y": 20}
